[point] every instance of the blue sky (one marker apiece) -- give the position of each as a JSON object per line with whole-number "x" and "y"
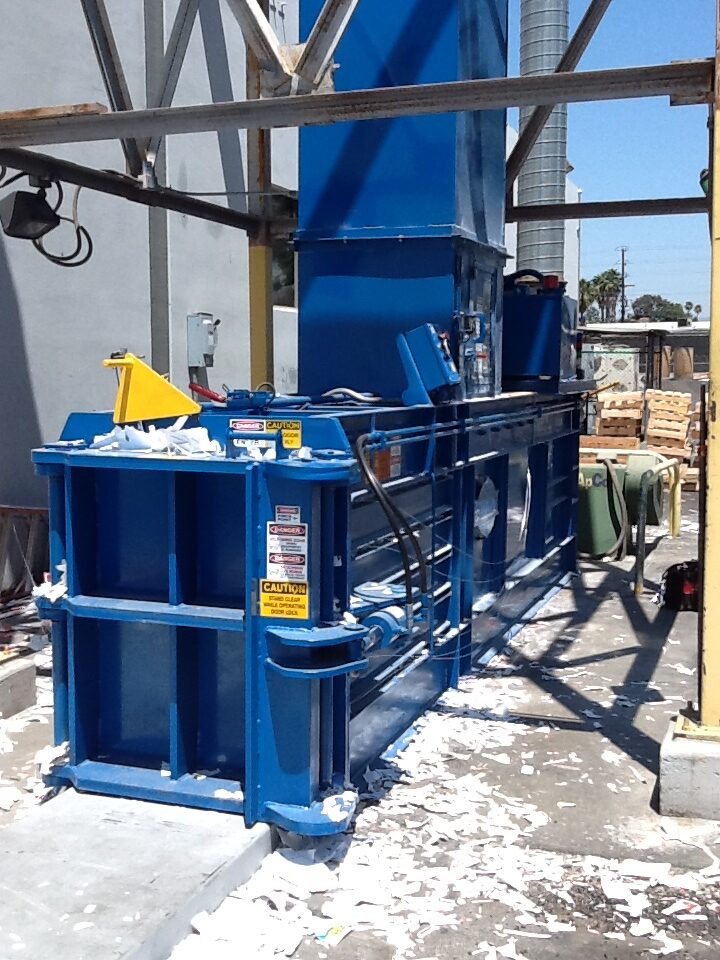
{"x": 642, "y": 148}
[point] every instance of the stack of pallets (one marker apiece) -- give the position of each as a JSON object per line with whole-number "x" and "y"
{"x": 691, "y": 480}
{"x": 668, "y": 427}
{"x": 619, "y": 414}
{"x": 668, "y": 423}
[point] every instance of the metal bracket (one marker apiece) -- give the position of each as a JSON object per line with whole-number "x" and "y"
{"x": 687, "y": 727}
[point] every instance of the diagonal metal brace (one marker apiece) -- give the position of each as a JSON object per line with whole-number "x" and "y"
{"x": 113, "y": 76}
{"x": 321, "y": 45}
{"x": 261, "y": 38}
{"x": 172, "y": 65}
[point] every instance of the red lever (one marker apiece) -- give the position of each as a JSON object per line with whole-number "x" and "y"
{"x": 207, "y": 394}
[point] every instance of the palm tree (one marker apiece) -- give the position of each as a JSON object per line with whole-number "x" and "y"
{"x": 588, "y": 296}
{"x": 609, "y": 287}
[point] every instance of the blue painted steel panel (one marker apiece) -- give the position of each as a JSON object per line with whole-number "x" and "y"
{"x": 418, "y": 173}
{"x": 540, "y": 331}
{"x": 221, "y": 702}
{"x": 357, "y": 298}
{"x": 133, "y": 725}
{"x": 402, "y": 221}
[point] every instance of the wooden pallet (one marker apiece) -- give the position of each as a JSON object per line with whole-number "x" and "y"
{"x": 621, "y": 401}
{"x": 691, "y": 479}
{"x": 621, "y": 413}
{"x": 619, "y": 428}
{"x": 588, "y": 459}
{"x": 668, "y": 396}
{"x": 619, "y": 443}
{"x": 661, "y": 430}
{"x": 676, "y": 453}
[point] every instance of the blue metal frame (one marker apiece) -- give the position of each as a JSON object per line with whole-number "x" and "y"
{"x": 171, "y": 686}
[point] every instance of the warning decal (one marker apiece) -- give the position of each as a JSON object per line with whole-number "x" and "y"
{"x": 388, "y": 463}
{"x": 287, "y": 514}
{"x": 287, "y": 551}
{"x": 291, "y": 431}
{"x": 248, "y": 426}
{"x": 284, "y": 601}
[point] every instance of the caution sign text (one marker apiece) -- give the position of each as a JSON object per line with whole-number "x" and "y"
{"x": 283, "y": 600}
{"x": 291, "y": 431}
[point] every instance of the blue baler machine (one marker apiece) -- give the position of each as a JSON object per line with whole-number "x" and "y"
{"x": 246, "y": 635}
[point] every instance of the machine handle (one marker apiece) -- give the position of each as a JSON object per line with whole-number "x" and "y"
{"x": 318, "y": 673}
{"x": 207, "y": 394}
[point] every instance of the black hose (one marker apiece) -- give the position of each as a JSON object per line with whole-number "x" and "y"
{"x": 414, "y": 541}
{"x": 377, "y": 489}
{"x": 407, "y": 530}
{"x": 398, "y": 522}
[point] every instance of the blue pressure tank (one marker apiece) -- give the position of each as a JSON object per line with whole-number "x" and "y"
{"x": 402, "y": 221}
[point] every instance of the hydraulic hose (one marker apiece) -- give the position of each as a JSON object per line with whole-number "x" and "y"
{"x": 398, "y": 522}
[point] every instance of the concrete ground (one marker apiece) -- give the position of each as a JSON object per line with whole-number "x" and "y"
{"x": 103, "y": 878}
{"x": 22, "y": 736}
{"x": 520, "y": 821}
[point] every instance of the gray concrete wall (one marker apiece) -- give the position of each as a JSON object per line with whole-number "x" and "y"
{"x": 58, "y": 324}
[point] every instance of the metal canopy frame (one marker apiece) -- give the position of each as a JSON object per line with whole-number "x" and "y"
{"x": 261, "y": 39}
{"x": 174, "y": 58}
{"x": 119, "y": 185}
{"x": 319, "y": 50}
{"x": 289, "y": 72}
{"x": 608, "y": 209}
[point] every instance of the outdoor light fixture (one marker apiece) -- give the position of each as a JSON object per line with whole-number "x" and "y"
{"x": 26, "y": 215}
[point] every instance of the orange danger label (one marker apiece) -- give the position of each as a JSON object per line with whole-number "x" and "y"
{"x": 284, "y": 600}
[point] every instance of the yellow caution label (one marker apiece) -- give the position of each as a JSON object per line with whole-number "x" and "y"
{"x": 284, "y": 600}
{"x": 291, "y": 431}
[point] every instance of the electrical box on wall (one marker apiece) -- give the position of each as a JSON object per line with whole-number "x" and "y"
{"x": 202, "y": 339}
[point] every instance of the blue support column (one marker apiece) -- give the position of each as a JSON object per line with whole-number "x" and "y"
{"x": 184, "y": 703}
{"x": 83, "y": 689}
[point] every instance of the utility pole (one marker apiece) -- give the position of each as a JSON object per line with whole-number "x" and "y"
{"x": 623, "y": 298}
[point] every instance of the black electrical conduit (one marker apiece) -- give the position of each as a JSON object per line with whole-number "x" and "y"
{"x": 398, "y": 522}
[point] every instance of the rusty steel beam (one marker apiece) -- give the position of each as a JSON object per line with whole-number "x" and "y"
{"x": 690, "y": 80}
{"x": 119, "y": 185}
{"x": 606, "y": 209}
